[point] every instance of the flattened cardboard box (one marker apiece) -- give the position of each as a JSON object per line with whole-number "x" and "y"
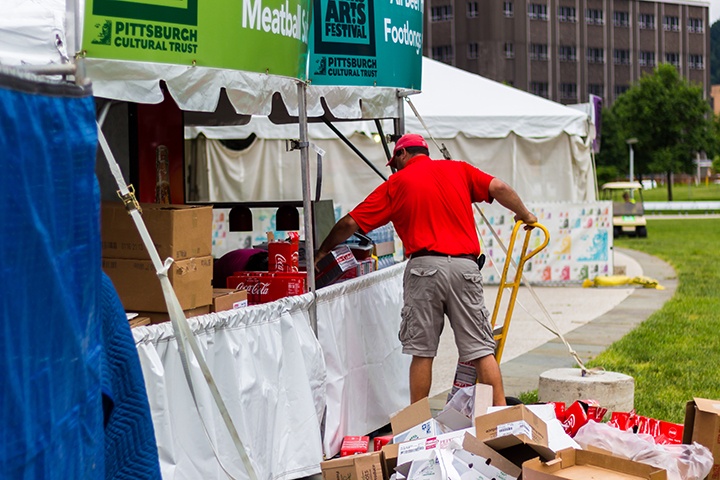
{"x": 702, "y": 425}
{"x": 586, "y": 465}
{"x": 139, "y": 287}
{"x": 178, "y": 231}
{"x": 366, "y": 466}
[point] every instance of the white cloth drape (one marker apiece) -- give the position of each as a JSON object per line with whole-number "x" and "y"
{"x": 278, "y": 380}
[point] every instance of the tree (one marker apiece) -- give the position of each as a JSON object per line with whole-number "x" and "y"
{"x": 670, "y": 120}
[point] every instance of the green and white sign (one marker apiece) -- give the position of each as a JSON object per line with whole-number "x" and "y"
{"x": 366, "y": 42}
{"x": 266, "y": 36}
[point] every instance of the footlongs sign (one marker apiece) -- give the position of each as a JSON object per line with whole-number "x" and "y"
{"x": 267, "y": 36}
{"x": 366, "y": 42}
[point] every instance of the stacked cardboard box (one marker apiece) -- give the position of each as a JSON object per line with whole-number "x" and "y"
{"x": 183, "y": 232}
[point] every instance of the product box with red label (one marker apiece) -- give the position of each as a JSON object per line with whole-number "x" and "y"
{"x": 263, "y": 287}
{"x": 364, "y": 466}
{"x": 352, "y": 445}
{"x": 334, "y": 264}
{"x": 283, "y": 256}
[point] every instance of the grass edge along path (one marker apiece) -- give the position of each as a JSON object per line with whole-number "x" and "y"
{"x": 675, "y": 354}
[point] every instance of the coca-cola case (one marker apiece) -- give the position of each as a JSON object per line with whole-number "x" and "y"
{"x": 283, "y": 257}
{"x": 263, "y": 287}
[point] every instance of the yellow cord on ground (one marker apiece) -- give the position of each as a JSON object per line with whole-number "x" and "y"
{"x": 618, "y": 280}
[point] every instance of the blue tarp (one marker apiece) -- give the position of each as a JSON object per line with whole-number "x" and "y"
{"x": 52, "y": 357}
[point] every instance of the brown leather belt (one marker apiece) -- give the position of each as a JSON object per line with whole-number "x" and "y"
{"x": 430, "y": 253}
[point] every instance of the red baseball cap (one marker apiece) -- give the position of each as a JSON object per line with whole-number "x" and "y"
{"x": 408, "y": 140}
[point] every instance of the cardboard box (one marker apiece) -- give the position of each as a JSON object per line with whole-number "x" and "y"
{"x": 161, "y": 317}
{"x": 263, "y": 287}
{"x": 414, "y": 422}
{"x": 178, "y": 231}
{"x": 139, "y": 321}
{"x": 585, "y": 465}
{"x": 384, "y": 248}
{"x": 366, "y": 466}
{"x": 228, "y": 299}
{"x": 476, "y": 447}
{"x": 139, "y": 287}
{"x": 516, "y": 433}
{"x": 702, "y": 425}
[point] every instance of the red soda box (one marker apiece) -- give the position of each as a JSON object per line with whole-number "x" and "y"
{"x": 379, "y": 442}
{"x": 352, "y": 445}
{"x": 282, "y": 257}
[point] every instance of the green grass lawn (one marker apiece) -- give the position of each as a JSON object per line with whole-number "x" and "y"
{"x": 684, "y": 193}
{"x": 675, "y": 354}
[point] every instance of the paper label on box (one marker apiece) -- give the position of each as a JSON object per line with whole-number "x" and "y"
{"x": 521, "y": 427}
{"x": 426, "y": 429}
{"x": 240, "y": 304}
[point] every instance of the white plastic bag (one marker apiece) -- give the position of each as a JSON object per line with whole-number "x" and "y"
{"x": 682, "y": 462}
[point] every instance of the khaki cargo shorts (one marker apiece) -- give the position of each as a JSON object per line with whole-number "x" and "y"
{"x": 436, "y": 286}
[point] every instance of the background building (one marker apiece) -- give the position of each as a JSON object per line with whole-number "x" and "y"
{"x": 567, "y": 49}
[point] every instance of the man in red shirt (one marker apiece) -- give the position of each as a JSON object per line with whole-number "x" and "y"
{"x": 430, "y": 205}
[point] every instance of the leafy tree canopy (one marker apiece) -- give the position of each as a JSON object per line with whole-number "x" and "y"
{"x": 669, "y": 118}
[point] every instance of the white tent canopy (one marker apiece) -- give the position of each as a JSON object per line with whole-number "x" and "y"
{"x": 541, "y": 147}
{"x": 455, "y": 101}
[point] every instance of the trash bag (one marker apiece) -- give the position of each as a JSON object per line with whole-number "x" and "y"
{"x": 682, "y": 462}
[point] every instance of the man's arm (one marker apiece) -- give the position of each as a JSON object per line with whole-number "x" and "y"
{"x": 340, "y": 232}
{"x": 508, "y": 198}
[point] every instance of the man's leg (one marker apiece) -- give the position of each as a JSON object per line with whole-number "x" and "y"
{"x": 488, "y": 372}
{"x": 420, "y": 378}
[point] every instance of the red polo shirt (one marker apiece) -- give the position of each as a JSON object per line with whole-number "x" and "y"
{"x": 430, "y": 205}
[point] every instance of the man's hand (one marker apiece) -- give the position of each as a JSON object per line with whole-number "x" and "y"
{"x": 529, "y": 218}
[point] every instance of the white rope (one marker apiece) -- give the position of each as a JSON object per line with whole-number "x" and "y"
{"x": 183, "y": 333}
{"x": 554, "y": 329}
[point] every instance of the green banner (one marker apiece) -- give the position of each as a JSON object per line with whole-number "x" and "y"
{"x": 266, "y": 36}
{"x": 364, "y": 42}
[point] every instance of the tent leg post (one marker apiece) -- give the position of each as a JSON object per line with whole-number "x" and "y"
{"x": 307, "y": 204}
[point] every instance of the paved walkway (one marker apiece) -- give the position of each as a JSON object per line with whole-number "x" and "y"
{"x": 590, "y": 319}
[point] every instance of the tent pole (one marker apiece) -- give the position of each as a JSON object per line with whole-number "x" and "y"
{"x": 307, "y": 205}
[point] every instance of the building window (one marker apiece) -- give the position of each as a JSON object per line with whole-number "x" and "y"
{"x": 472, "y": 10}
{"x": 696, "y": 62}
{"x": 568, "y": 90}
{"x": 620, "y": 89}
{"x": 594, "y": 16}
{"x": 646, "y": 21}
{"x": 621, "y": 57}
{"x": 673, "y": 59}
{"x": 508, "y": 9}
{"x": 443, "y": 53}
{"x": 567, "y": 14}
{"x": 621, "y": 19}
{"x": 646, "y": 59}
{"x": 695, "y": 25}
{"x": 472, "y": 50}
{"x": 537, "y": 11}
{"x": 567, "y": 53}
{"x": 442, "y": 13}
{"x": 596, "y": 89}
{"x": 539, "y": 88}
{"x": 509, "y": 50}
{"x": 538, "y": 51}
{"x": 595, "y": 55}
{"x": 671, "y": 23}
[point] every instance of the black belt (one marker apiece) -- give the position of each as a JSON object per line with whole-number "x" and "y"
{"x": 430, "y": 253}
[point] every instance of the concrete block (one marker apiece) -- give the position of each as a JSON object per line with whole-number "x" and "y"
{"x": 612, "y": 390}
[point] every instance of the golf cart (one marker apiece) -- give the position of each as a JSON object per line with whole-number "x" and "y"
{"x": 628, "y": 211}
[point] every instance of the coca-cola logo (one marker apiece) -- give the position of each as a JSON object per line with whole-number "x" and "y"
{"x": 280, "y": 262}
{"x": 258, "y": 288}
